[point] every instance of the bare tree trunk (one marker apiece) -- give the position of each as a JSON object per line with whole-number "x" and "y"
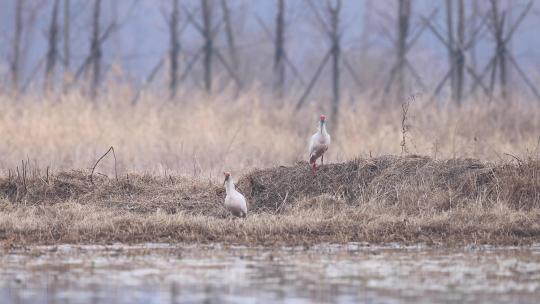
{"x": 174, "y": 49}
{"x": 501, "y": 47}
{"x": 279, "y": 64}
{"x": 233, "y": 55}
{"x": 451, "y": 44}
{"x": 498, "y": 21}
{"x": 473, "y": 26}
{"x": 15, "y": 61}
{"x": 95, "y": 46}
{"x": 208, "y": 45}
{"x": 460, "y": 56}
{"x": 404, "y": 14}
{"x": 67, "y": 54}
{"x": 495, "y": 23}
{"x": 52, "y": 52}
{"x": 336, "y": 52}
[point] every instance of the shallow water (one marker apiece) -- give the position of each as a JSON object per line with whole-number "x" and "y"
{"x": 159, "y": 273}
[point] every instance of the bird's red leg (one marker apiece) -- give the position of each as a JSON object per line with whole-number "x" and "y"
{"x": 314, "y": 168}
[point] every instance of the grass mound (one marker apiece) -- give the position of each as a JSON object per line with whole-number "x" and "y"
{"x": 385, "y": 199}
{"x": 388, "y": 180}
{"x": 393, "y": 180}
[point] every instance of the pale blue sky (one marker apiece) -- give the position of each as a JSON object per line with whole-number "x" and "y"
{"x": 143, "y": 37}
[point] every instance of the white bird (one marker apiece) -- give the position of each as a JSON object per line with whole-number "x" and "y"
{"x": 319, "y": 144}
{"x": 235, "y": 202}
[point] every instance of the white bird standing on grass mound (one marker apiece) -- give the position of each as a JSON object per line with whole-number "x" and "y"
{"x": 319, "y": 144}
{"x": 235, "y": 202}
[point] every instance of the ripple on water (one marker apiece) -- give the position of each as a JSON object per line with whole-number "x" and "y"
{"x": 156, "y": 273}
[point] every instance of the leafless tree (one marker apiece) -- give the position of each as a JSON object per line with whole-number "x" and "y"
{"x": 279, "y": 53}
{"x": 281, "y": 59}
{"x": 208, "y": 31}
{"x": 455, "y": 45}
{"x": 502, "y": 55}
{"x": 23, "y": 41}
{"x": 497, "y": 23}
{"x": 462, "y": 24}
{"x": 404, "y": 42}
{"x": 332, "y": 28}
{"x": 16, "y": 56}
{"x": 457, "y": 48}
{"x": 475, "y": 15}
{"x": 335, "y": 36}
{"x": 67, "y": 40}
{"x": 229, "y": 31}
{"x": 450, "y": 37}
{"x": 174, "y": 49}
{"x": 95, "y": 49}
{"x": 208, "y": 43}
{"x": 52, "y": 52}
{"x": 459, "y": 53}
{"x": 404, "y": 17}
{"x": 97, "y": 39}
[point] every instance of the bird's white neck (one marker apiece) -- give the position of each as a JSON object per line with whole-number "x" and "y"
{"x": 322, "y": 129}
{"x": 229, "y": 186}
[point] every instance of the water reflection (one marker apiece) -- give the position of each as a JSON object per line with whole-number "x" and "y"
{"x": 157, "y": 273}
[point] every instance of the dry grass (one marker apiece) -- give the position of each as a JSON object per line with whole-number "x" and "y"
{"x": 171, "y": 155}
{"x": 202, "y": 136}
{"x": 386, "y": 199}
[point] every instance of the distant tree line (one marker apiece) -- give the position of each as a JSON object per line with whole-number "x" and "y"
{"x": 466, "y": 22}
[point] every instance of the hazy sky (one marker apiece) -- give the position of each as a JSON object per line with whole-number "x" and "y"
{"x": 143, "y": 38}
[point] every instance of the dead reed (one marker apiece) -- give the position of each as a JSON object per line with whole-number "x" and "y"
{"x": 385, "y": 199}
{"x": 202, "y": 136}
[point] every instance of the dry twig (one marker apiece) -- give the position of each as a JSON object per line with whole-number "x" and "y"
{"x": 97, "y": 162}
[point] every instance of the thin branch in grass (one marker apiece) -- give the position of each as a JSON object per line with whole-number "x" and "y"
{"x": 24, "y": 174}
{"x": 283, "y": 202}
{"x": 97, "y": 162}
{"x": 520, "y": 162}
{"x": 404, "y": 125}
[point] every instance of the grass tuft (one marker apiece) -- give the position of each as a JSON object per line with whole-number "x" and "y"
{"x": 384, "y": 199}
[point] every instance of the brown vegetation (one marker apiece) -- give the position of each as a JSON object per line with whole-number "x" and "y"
{"x": 477, "y": 184}
{"x": 202, "y": 136}
{"x": 384, "y": 199}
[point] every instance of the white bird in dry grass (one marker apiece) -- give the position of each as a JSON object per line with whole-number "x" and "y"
{"x": 235, "y": 202}
{"x": 319, "y": 144}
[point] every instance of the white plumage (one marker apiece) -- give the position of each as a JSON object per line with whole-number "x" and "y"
{"x": 235, "y": 202}
{"x": 319, "y": 144}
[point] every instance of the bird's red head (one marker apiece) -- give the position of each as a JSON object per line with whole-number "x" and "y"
{"x": 323, "y": 118}
{"x": 227, "y": 174}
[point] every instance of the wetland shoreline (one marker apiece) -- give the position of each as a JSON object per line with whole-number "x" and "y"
{"x": 388, "y": 199}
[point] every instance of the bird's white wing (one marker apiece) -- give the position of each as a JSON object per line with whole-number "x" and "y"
{"x": 313, "y": 142}
{"x": 236, "y": 203}
{"x": 243, "y": 202}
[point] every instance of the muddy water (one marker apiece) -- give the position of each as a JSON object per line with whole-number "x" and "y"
{"x": 157, "y": 273}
